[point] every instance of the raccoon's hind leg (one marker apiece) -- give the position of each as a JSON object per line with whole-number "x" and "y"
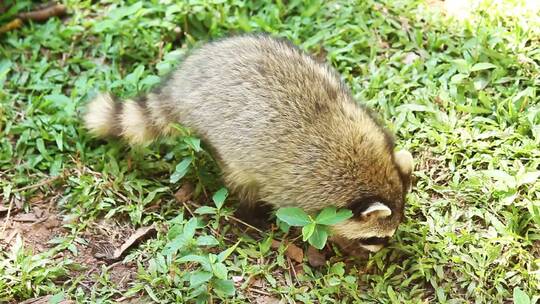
{"x": 251, "y": 210}
{"x": 138, "y": 120}
{"x": 255, "y": 214}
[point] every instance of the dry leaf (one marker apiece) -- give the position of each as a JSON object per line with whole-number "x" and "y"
{"x": 268, "y": 300}
{"x": 185, "y": 193}
{"x": 315, "y": 257}
{"x": 294, "y": 252}
{"x": 25, "y": 217}
{"x": 138, "y": 236}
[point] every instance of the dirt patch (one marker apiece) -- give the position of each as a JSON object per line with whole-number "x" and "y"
{"x": 36, "y": 227}
{"x": 102, "y": 238}
{"x": 43, "y": 222}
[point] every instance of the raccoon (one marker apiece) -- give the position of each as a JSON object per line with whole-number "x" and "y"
{"x": 283, "y": 128}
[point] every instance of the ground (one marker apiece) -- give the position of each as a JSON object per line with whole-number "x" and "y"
{"x": 91, "y": 221}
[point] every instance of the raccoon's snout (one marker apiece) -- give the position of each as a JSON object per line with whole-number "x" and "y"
{"x": 374, "y": 244}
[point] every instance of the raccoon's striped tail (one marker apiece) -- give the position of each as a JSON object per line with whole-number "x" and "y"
{"x": 137, "y": 121}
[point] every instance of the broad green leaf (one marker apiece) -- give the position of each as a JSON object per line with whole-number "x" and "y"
{"x": 480, "y": 83}
{"x": 219, "y": 197}
{"x": 307, "y": 231}
{"x": 319, "y": 237}
{"x": 338, "y": 269}
{"x": 225, "y": 287}
{"x": 225, "y": 254}
{"x": 330, "y": 216}
{"x": 164, "y": 68}
{"x": 520, "y": 297}
{"x": 220, "y": 270}
{"x": 181, "y": 169}
{"x": 199, "y": 277}
{"x": 179, "y": 219}
{"x": 293, "y": 216}
{"x": 333, "y": 281}
{"x": 189, "y": 228}
{"x": 150, "y": 81}
{"x": 207, "y": 240}
{"x": 203, "y": 297}
{"x": 174, "y": 231}
{"x": 150, "y": 197}
{"x": 462, "y": 65}
{"x": 58, "y": 100}
{"x": 180, "y": 240}
{"x": 172, "y": 247}
{"x": 57, "y": 298}
{"x": 458, "y": 78}
{"x": 212, "y": 258}
{"x": 194, "y": 143}
{"x": 283, "y": 226}
{"x": 206, "y": 210}
{"x": 203, "y": 260}
{"x": 175, "y": 55}
{"x": 482, "y": 66}
{"x": 124, "y": 11}
{"x": 133, "y": 77}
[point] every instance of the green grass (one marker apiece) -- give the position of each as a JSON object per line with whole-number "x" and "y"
{"x": 461, "y": 95}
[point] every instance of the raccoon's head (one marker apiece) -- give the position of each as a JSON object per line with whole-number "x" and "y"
{"x": 378, "y": 208}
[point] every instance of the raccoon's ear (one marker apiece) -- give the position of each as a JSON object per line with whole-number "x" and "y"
{"x": 377, "y": 209}
{"x": 405, "y": 162}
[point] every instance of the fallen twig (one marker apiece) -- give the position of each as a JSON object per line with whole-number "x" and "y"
{"x": 137, "y": 237}
{"x": 45, "y": 13}
{"x": 259, "y": 291}
{"x": 41, "y": 14}
{"x": 41, "y": 183}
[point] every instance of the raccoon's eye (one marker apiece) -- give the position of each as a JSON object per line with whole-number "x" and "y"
{"x": 378, "y": 210}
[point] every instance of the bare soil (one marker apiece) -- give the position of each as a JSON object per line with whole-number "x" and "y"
{"x": 43, "y": 222}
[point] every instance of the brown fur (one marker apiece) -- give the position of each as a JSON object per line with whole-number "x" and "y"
{"x": 284, "y": 128}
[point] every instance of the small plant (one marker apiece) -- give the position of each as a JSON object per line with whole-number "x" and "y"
{"x": 184, "y": 246}
{"x": 521, "y": 297}
{"x": 314, "y": 230}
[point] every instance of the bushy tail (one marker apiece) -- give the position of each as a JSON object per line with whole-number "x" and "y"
{"x": 137, "y": 121}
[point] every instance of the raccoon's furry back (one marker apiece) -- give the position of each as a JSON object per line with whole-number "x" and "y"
{"x": 271, "y": 113}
